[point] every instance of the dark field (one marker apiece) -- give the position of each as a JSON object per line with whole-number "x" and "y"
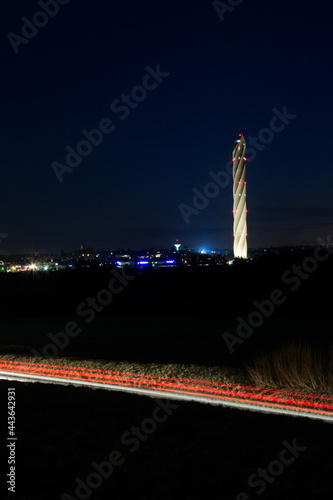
{"x": 168, "y": 315}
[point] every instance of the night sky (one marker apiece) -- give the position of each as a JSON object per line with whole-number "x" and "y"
{"x": 216, "y": 78}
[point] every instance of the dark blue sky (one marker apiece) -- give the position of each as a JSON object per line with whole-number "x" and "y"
{"x": 224, "y": 78}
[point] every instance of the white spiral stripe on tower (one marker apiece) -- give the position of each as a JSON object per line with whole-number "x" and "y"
{"x": 239, "y": 194}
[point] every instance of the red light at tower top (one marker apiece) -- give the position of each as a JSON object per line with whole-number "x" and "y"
{"x": 240, "y": 135}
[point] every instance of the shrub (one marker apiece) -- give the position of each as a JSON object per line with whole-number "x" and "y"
{"x": 296, "y": 366}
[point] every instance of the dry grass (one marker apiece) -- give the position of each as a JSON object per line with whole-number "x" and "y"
{"x": 226, "y": 375}
{"x": 295, "y": 366}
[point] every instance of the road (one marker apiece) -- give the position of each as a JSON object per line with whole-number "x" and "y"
{"x": 203, "y": 391}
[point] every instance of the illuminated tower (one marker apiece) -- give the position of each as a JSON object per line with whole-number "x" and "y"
{"x": 239, "y": 192}
{"x": 177, "y": 245}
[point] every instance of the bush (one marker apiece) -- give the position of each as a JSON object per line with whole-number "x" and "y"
{"x": 296, "y": 366}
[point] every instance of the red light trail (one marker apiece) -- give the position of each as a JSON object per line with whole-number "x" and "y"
{"x": 261, "y": 399}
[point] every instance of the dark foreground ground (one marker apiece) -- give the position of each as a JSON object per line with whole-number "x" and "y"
{"x": 178, "y": 316}
{"x": 169, "y": 315}
{"x": 198, "y": 452}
